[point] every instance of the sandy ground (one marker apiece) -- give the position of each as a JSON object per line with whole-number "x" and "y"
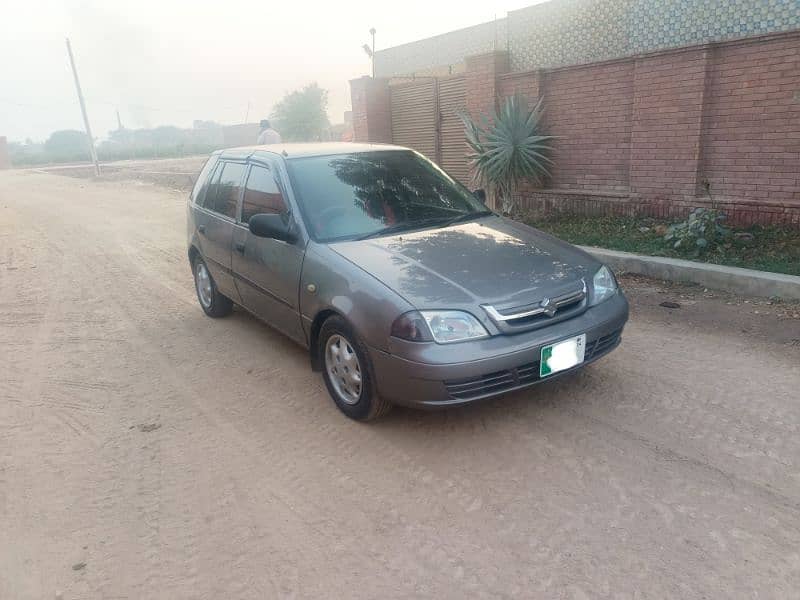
{"x": 173, "y": 173}
{"x": 147, "y": 451}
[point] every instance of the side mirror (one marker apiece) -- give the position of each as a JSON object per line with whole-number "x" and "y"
{"x": 480, "y": 195}
{"x": 271, "y": 226}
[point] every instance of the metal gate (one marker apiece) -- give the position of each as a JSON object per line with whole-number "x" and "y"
{"x": 425, "y": 118}
{"x": 413, "y": 116}
{"x": 452, "y": 97}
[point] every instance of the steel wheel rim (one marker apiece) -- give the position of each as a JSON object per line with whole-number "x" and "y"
{"x": 343, "y": 368}
{"x": 203, "y": 282}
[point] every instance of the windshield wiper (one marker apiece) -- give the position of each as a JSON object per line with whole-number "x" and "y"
{"x": 398, "y": 228}
{"x": 467, "y": 217}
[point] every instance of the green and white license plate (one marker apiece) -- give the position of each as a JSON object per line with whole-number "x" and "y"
{"x": 562, "y": 355}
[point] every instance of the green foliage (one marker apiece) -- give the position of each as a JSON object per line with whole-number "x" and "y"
{"x": 161, "y": 142}
{"x": 67, "y": 145}
{"x": 701, "y": 232}
{"x": 775, "y": 249}
{"x": 509, "y": 149}
{"x": 301, "y": 116}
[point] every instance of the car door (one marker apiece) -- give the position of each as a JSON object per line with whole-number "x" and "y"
{"x": 215, "y": 222}
{"x": 267, "y": 271}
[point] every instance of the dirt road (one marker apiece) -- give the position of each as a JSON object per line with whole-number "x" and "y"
{"x": 147, "y": 451}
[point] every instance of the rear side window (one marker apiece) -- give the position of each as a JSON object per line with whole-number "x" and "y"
{"x": 223, "y": 194}
{"x": 262, "y": 194}
{"x": 201, "y": 185}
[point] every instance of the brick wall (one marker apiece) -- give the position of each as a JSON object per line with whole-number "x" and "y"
{"x": 372, "y": 117}
{"x": 482, "y": 81}
{"x": 751, "y": 127}
{"x": 589, "y": 110}
{"x": 642, "y": 135}
{"x": 526, "y": 83}
{"x": 666, "y": 118}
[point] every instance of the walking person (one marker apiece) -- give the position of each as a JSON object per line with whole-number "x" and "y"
{"x": 268, "y": 135}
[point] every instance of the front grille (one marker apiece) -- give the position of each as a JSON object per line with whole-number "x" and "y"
{"x": 521, "y": 376}
{"x": 485, "y": 384}
{"x": 568, "y": 303}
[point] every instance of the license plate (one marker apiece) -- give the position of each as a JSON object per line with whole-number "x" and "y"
{"x": 562, "y": 355}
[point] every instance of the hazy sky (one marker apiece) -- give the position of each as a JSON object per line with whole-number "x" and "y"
{"x": 169, "y": 62}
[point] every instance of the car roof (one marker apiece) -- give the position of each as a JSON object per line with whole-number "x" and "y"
{"x": 306, "y": 150}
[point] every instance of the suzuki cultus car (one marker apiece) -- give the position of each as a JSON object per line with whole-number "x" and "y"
{"x": 405, "y": 288}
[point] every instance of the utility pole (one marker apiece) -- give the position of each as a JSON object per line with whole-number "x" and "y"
{"x": 119, "y": 122}
{"x": 247, "y": 114}
{"x": 92, "y": 150}
{"x": 372, "y": 31}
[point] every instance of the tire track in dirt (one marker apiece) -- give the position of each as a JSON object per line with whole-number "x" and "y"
{"x": 341, "y": 441}
{"x": 295, "y": 489}
{"x": 149, "y": 487}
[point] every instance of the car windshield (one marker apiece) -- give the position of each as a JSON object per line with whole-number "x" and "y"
{"x": 368, "y": 194}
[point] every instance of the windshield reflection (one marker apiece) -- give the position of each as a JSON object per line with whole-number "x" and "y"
{"x": 349, "y": 196}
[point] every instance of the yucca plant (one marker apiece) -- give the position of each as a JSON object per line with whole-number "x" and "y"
{"x": 509, "y": 149}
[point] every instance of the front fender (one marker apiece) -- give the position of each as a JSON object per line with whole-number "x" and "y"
{"x": 340, "y": 286}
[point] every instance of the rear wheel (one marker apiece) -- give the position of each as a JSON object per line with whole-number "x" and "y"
{"x": 348, "y": 371}
{"x": 213, "y": 303}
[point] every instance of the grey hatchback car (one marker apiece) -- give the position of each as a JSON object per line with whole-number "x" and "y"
{"x": 403, "y": 286}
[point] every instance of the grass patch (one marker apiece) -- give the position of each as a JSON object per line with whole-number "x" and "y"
{"x": 773, "y": 249}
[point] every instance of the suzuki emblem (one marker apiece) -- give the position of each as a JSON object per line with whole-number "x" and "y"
{"x": 548, "y": 307}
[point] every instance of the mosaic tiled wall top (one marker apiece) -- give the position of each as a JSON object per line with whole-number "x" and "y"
{"x": 442, "y": 54}
{"x": 565, "y": 32}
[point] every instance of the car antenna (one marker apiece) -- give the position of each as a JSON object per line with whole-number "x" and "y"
{"x": 285, "y": 153}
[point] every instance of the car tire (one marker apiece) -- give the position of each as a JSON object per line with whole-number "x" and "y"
{"x": 213, "y": 303}
{"x": 337, "y": 340}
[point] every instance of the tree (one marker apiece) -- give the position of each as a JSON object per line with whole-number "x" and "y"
{"x": 67, "y": 145}
{"x": 301, "y": 116}
{"x": 510, "y": 149}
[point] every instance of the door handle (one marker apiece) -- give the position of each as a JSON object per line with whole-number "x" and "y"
{"x": 239, "y": 246}
{"x": 201, "y": 228}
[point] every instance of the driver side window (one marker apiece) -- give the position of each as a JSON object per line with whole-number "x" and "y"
{"x": 262, "y": 194}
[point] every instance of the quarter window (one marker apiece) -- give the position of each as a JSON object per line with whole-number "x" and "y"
{"x": 203, "y": 179}
{"x": 262, "y": 194}
{"x": 223, "y": 194}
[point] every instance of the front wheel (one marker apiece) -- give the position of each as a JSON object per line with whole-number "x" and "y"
{"x": 348, "y": 372}
{"x": 213, "y": 303}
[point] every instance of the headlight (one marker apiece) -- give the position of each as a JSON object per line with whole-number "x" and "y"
{"x": 453, "y": 326}
{"x": 442, "y": 326}
{"x": 604, "y": 285}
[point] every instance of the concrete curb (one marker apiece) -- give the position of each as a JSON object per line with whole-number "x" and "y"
{"x": 731, "y": 279}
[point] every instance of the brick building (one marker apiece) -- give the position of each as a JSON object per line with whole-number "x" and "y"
{"x": 654, "y": 103}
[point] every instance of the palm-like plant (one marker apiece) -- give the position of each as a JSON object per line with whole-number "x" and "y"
{"x": 510, "y": 149}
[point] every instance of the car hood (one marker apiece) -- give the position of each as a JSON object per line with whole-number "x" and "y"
{"x": 489, "y": 260}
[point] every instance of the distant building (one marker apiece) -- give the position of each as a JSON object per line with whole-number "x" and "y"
{"x": 5, "y": 159}
{"x": 244, "y": 134}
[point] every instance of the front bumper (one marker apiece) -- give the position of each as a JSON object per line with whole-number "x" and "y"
{"x": 512, "y": 364}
